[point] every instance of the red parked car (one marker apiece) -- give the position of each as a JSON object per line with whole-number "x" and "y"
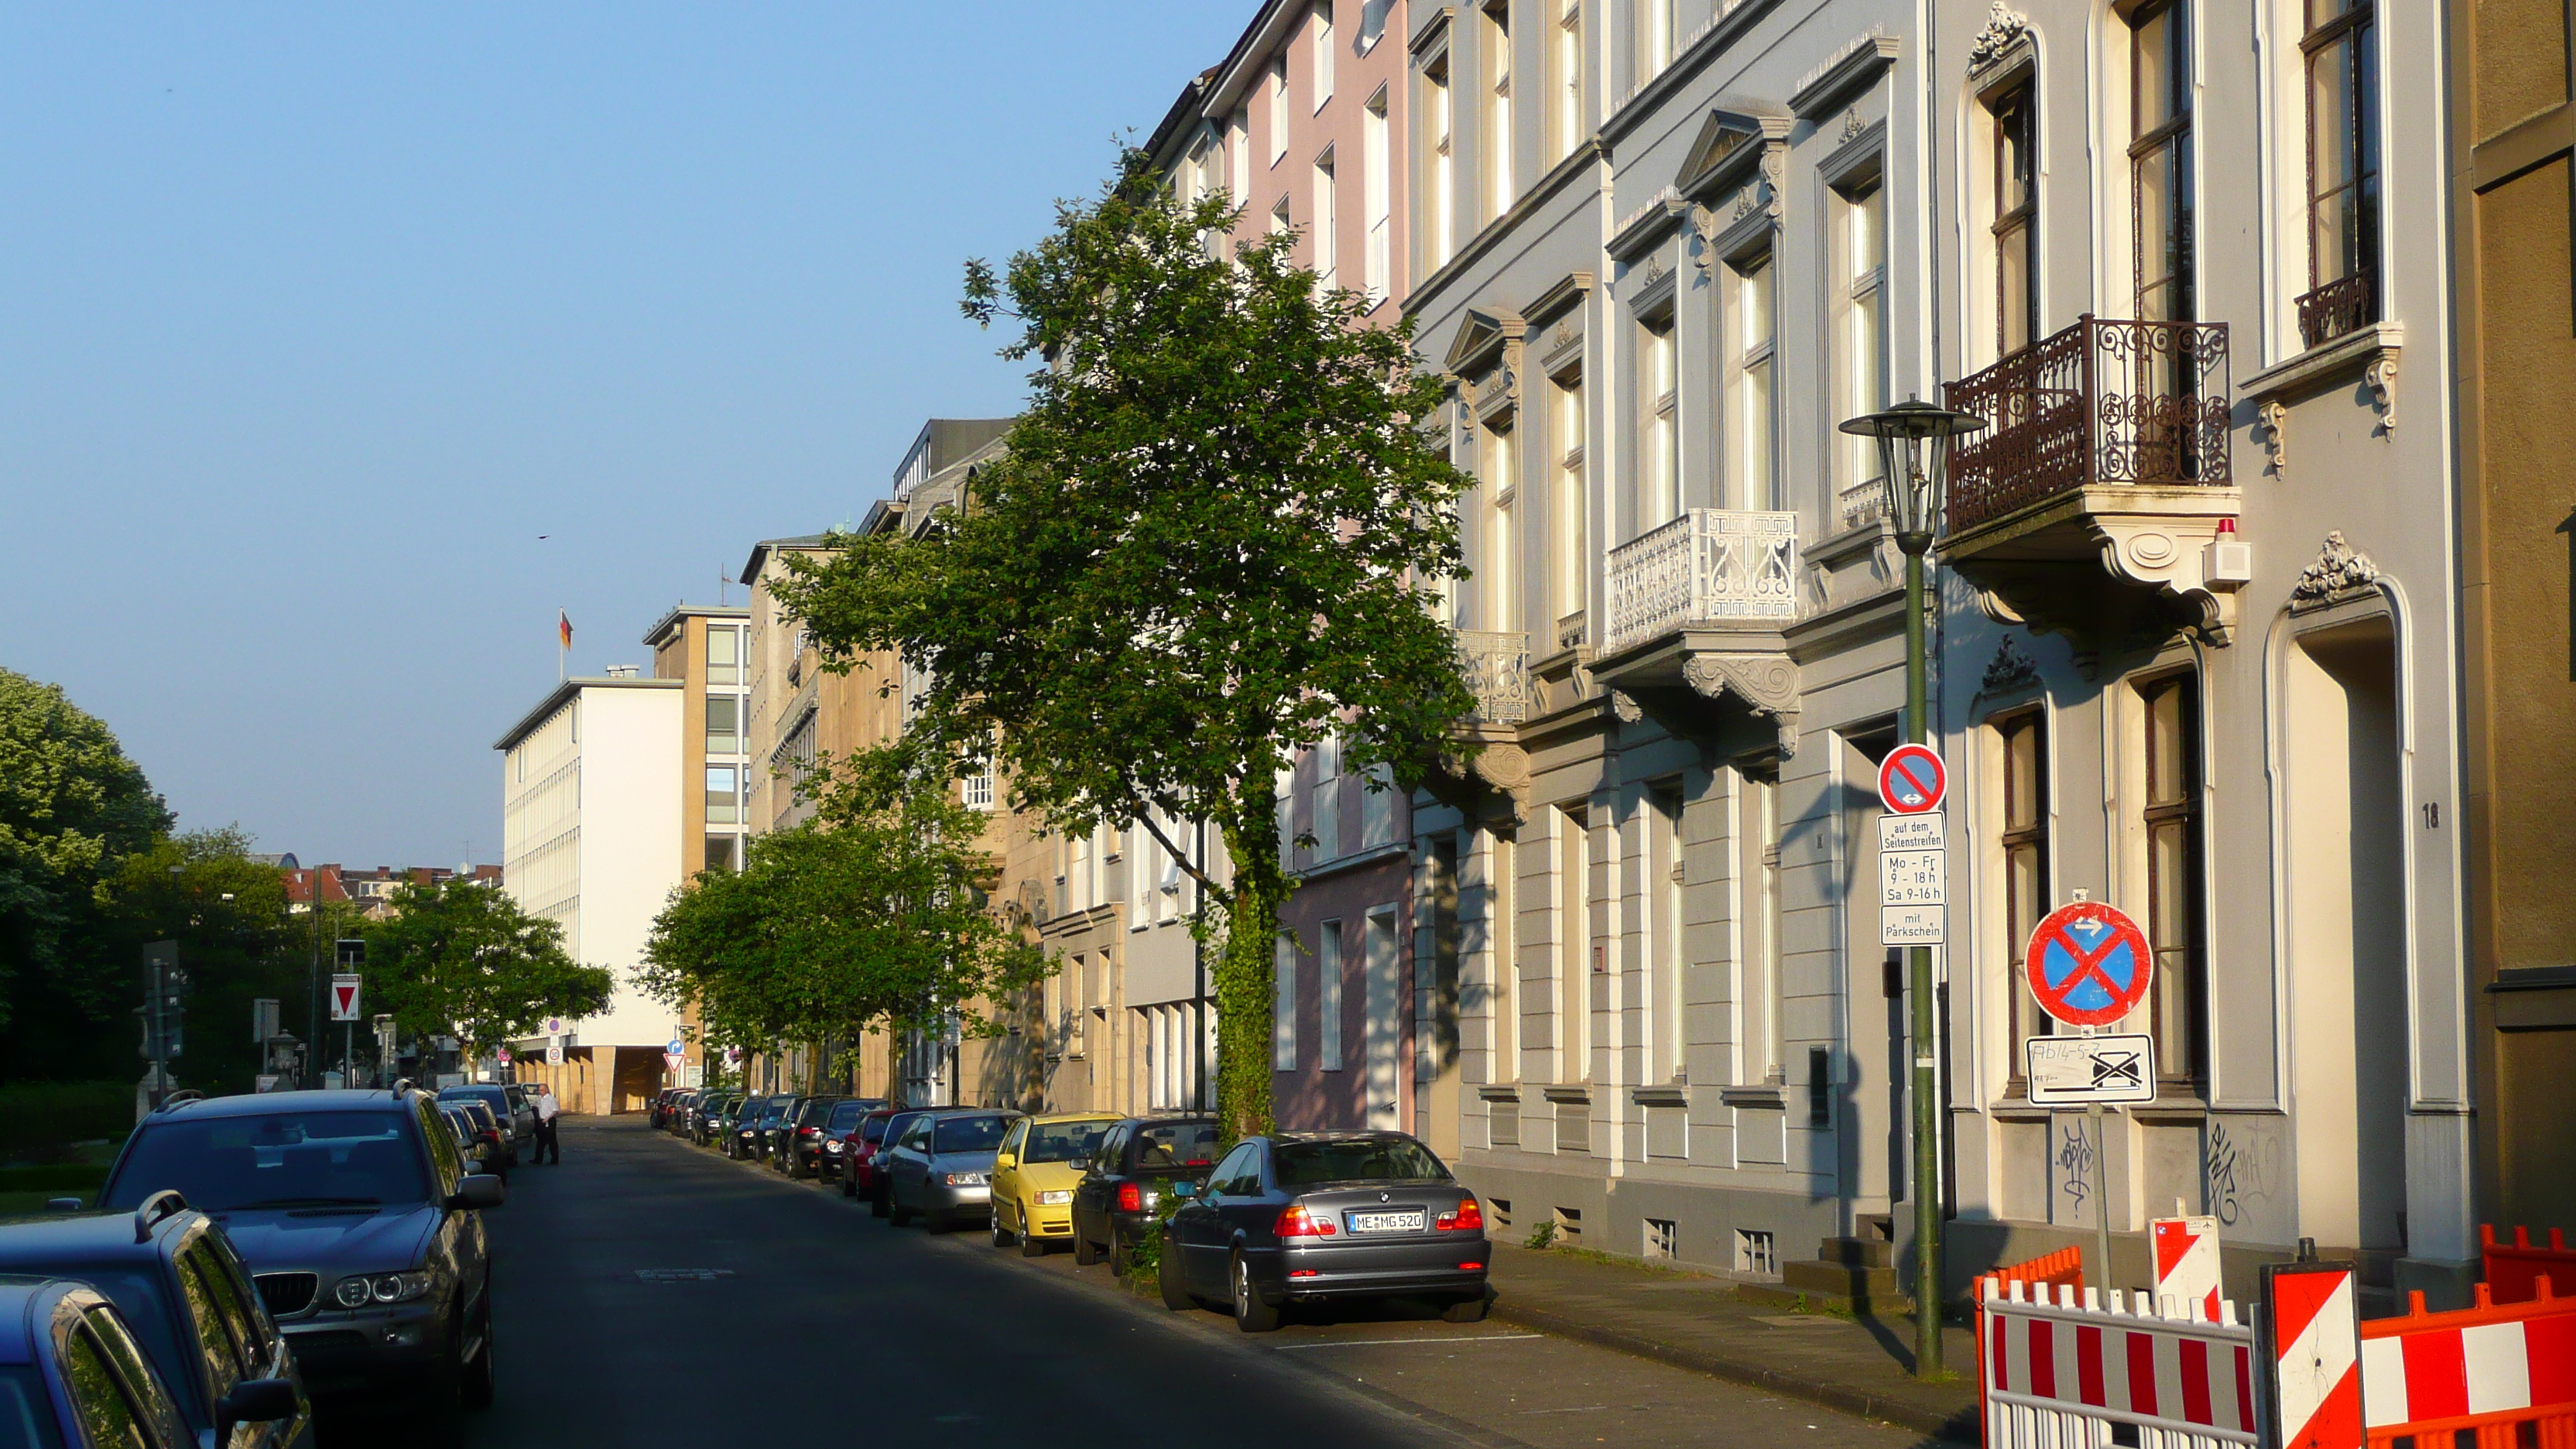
{"x": 855, "y": 1162}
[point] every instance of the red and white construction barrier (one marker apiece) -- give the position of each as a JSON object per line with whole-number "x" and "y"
{"x": 2486, "y": 1369}
{"x": 2316, "y": 1354}
{"x": 2186, "y": 1250}
{"x": 2061, "y": 1372}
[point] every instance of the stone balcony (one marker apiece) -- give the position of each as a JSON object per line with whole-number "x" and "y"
{"x": 1497, "y": 667}
{"x": 1701, "y": 603}
{"x": 2092, "y": 503}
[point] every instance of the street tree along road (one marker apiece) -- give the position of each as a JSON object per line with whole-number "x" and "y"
{"x": 650, "y": 1293}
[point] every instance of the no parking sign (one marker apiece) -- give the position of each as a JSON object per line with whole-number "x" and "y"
{"x": 2088, "y": 964}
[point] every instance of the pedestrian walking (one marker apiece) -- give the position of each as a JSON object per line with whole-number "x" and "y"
{"x": 549, "y": 1143}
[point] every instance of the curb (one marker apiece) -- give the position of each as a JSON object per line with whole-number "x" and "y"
{"x": 1956, "y": 1428}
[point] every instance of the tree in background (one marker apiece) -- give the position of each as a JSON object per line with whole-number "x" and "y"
{"x": 871, "y": 915}
{"x": 72, "y": 807}
{"x": 464, "y": 960}
{"x": 1203, "y": 552}
{"x": 228, "y": 914}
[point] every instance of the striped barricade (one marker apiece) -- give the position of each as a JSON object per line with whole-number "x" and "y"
{"x": 2512, "y": 1269}
{"x": 2059, "y": 1370}
{"x": 2504, "y": 1373}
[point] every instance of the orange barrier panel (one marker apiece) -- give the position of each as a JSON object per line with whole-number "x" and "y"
{"x": 2514, "y": 1271}
{"x": 2505, "y": 1374}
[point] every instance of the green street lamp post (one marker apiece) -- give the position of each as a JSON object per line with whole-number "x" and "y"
{"x": 1914, "y": 439}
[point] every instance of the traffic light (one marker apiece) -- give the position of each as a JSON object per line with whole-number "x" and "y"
{"x": 164, "y": 1009}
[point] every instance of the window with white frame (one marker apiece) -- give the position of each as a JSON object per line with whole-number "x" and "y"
{"x": 2023, "y": 741}
{"x": 1283, "y": 1009}
{"x": 2177, "y": 919}
{"x": 2160, "y": 159}
{"x": 1381, "y": 808}
{"x": 1278, "y": 109}
{"x": 1567, "y": 548}
{"x": 1565, "y": 81}
{"x": 1574, "y": 946}
{"x": 1238, "y": 132}
{"x": 1859, "y": 308}
{"x": 1666, "y": 961}
{"x": 1327, "y": 828}
{"x": 1496, "y": 569}
{"x": 1502, "y": 935}
{"x": 1765, "y": 1049}
{"x": 2016, "y": 221}
{"x": 724, "y": 795}
{"x": 1284, "y": 807}
{"x": 1753, "y": 418}
{"x": 1320, "y": 30}
{"x": 724, "y": 654}
{"x": 1654, "y": 23}
{"x": 1328, "y": 996}
{"x": 1438, "y": 194}
{"x": 1495, "y": 144}
{"x": 1325, "y": 240}
{"x": 2341, "y": 50}
{"x": 1279, "y": 221}
{"x": 1659, "y": 433}
{"x": 1376, "y": 194}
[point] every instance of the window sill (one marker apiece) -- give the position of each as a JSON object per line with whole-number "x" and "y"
{"x": 1499, "y": 1091}
{"x": 2351, "y": 353}
{"x": 1757, "y": 1095}
{"x": 1670, "y": 1095}
{"x": 1573, "y": 1094}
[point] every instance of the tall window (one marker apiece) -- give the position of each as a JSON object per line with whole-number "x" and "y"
{"x": 1860, "y": 336}
{"x": 1321, "y": 29}
{"x": 2343, "y": 169}
{"x": 1655, "y": 25}
{"x": 1502, "y": 938}
{"x": 1326, "y": 239}
{"x": 724, "y": 724}
{"x": 1238, "y": 132}
{"x": 1381, "y": 805}
{"x": 1279, "y": 216}
{"x": 724, "y": 655}
{"x": 1665, "y": 820}
{"x": 2025, "y": 843}
{"x": 1328, "y": 799}
{"x": 1565, "y": 82}
{"x": 2160, "y": 158}
{"x": 1758, "y": 906}
{"x": 1278, "y": 109}
{"x": 1496, "y": 143}
{"x": 1328, "y": 995}
{"x": 1283, "y": 1013}
{"x": 724, "y": 795}
{"x": 1499, "y": 573}
{"x": 1380, "y": 263}
{"x": 1573, "y": 947}
{"x": 1440, "y": 199}
{"x": 2174, "y": 916}
{"x": 1659, "y": 434}
{"x": 2016, "y": 224}
{"x": 1567, "y": 548}
{"x": 1756, "y": 343}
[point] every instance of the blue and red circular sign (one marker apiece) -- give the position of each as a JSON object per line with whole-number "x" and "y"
{"x": 2088, "y": 964}
{"x": 1912, "y": 780}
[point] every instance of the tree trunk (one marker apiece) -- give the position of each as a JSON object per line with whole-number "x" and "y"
{"x": 1244, "y": 988}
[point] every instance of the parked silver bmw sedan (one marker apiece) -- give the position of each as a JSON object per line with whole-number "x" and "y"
{"x": 941, "y": 1169}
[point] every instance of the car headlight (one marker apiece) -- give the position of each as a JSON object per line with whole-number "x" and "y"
{"x": 832, "y": 1147}
{"x": 381, "y": 1288}
{"x": 966, "y": 1179}
{"x": 1054, "y": 1199}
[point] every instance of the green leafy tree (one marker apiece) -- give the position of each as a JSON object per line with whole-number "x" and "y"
{"x": 464, "y": 960}
{"x": 228, "y": 915}
{"x": 72, "y": 806}
{"x": 1202, "y": 552}
{"x": 870, "y": 915}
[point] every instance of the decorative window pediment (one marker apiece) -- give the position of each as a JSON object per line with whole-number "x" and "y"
{"x": 1731, "y": 142}
{"x": 1480, "y": 340}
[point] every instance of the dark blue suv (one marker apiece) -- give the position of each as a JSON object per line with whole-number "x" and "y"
{"x": 179, "y": 1287}
{"x": 71, "y": 1374}
{"x": 361, "y": 1226}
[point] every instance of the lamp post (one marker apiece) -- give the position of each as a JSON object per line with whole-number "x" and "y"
{"x": 1914, "y": 439}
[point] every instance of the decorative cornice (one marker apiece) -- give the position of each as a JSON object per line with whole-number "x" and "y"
{"x": 1855, "y": 65}
{"x": 2003, "y": 27}
{"x": 2339, "y": 572}
{"x": 1625, "y": 706}
{"x": 2009, "y": 670}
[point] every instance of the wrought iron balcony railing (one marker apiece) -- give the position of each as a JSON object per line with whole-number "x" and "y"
{"x": 1497, "y": 665}
{"x": 2346, "y": 304}
{"x": 2103, "y": 402}
{"x": 1709, "y": 566}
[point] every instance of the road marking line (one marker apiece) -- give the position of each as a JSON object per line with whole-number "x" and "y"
{"x": 1381, "y": 1342}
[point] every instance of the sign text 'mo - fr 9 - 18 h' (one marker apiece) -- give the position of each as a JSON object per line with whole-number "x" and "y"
{"x": 2088, "y": 964}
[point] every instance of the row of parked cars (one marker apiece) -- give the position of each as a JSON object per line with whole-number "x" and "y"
{"x": 1252, "y": 1225}
{"x": 249, "y": 1256}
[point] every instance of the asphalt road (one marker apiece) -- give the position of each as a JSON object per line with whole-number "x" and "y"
{"x": 648, "y": 1292}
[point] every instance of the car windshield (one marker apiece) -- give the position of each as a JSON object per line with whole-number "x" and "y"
{"x": 846, "y": 1116}
{"x": 26, "y": 1413}
{"x": 274, "y": 1160}
{"x": 492, "y": 1097}
{"x": 874, "y": 1129}
{"x": 1165, "y": 1146}
{"x": 969, "y": 1134}
{"x": 1391, "y": 1159}
{"x": 1063, "y": 1141}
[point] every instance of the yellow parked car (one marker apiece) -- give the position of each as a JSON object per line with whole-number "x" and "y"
{"x": 1034, "y": 1176}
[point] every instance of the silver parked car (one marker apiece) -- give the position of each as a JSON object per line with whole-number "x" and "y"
{"x": 941, "y": 1168}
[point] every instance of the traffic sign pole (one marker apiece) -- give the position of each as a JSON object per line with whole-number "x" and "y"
{"x": 1927, "y": 1108}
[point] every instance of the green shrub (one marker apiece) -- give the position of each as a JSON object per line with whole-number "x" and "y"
{"x": 40, "y": 1120}
{"x": 1541, "y": 1236}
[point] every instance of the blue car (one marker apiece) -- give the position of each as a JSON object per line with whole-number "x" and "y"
{"x": 72, "y": 1375}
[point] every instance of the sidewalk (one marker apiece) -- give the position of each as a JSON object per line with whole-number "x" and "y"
{"x": 1859, "y": 1367}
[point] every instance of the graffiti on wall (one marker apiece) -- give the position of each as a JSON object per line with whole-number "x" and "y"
{"x": 2075, "y": 1158}
{"x": 2242, "y": 1172}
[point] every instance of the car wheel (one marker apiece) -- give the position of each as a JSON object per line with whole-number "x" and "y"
{"x": 936, "y": 1222}
{"x": 1465, "y": 1310}
{"x": 897, "y": 1213}
{"x": 1167, "y": 1277}
{"x": 1000, "y": 1239}
{"x": 849, "y": 1183}
{"x": 1031, "y": 1245}
{"x": 1250, "y": 1313}
{"x": 476, "y": 1391}
{"x": 1084, "y": 1254}
{"x": 1117, "y": 1252}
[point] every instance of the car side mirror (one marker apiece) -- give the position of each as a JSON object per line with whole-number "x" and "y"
{"x": 480, "y": 1190}
{"x": 1187, "y": 1188}
{"x": 62, "y": 1204}
{"x": 254, "y": 1401}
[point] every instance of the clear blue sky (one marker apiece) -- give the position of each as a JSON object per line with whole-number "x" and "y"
{"x": 314, "y": 316}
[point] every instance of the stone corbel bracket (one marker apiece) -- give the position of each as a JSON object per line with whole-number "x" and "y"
{"x": 2171, "y": 555}
{"x": 1768, "y": 683}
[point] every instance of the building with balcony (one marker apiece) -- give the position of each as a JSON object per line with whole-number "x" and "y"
{"x": 2198, "y": 643}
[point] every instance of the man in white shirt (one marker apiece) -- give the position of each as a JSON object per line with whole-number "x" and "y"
{"x": 549, "y": 1144}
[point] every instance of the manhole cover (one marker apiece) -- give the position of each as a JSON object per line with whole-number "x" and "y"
{"x": 682, "y": 1275}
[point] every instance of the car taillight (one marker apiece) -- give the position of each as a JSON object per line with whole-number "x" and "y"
{"x": 1299, "y": 1223}
{"x": 1131, "y": 1198}
{"x": 804, "y": 1131}
{"x": 1468, "y": 1218}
